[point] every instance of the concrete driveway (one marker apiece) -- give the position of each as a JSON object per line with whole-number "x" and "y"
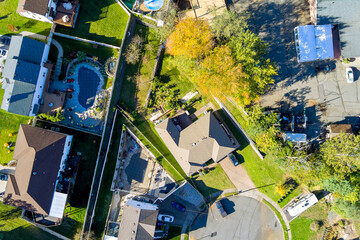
{"x": 298, "y": 84}
{"x": 237, "y": 175}
{"x": 247, "y": 219}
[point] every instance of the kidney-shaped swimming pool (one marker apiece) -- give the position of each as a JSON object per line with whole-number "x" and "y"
{"x": 89, "y": 81}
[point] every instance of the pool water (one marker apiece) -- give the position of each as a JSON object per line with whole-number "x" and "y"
{"x": 88, "y": 83}
{"x": 154, "y": 5}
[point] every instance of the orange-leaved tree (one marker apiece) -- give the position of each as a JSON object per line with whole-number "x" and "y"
{"x": 192, "y": 38}
{"x": 220, "y": 74}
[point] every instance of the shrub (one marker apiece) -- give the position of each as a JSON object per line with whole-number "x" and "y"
{"x": 133, "y": 50}
{"x": 281, "y": 189}
{"x": 53, "y": 118}
{"x": 346, "y": 60}
{"x": 81, "y": 55}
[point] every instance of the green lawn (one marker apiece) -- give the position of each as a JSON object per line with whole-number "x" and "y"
{"x": 88, "y": 146}
{"x": 103, "y": 53}
{"x": 103, "y": 21}
{"x": 8, "y": 16}
{"x": 215, "y": 180}
{"x": 105, "y": 195}
{"x": 13, "y": 227}
{"x": 174, "y": 233}
{"x": 10, "y": 123}
{"x": 300, "y": 226}
{"x": 135, "y": 94}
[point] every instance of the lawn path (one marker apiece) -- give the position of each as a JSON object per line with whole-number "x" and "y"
{"x": 59, "y": 59}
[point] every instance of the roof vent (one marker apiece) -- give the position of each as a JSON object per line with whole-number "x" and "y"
{"x": 133, "y": 232}
{"x": 34, "y": 173}
{"x": 193, "y": 144}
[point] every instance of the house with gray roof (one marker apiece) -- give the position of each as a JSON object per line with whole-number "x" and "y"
{"x": 344, "y": 14}
{"x": 24, "y": 76}
{"x": 201, "y": 141}
{"x": 138, "y": 221}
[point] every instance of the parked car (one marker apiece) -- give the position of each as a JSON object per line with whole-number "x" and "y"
{"x": 165, "y": 218}
{"x": 3, "y": 53}
{"x": 349, "y": 75}
{"x": 233, "y": 159}
{"x": 221, "y": 209}
{"x": 178, "y": 206}
{"x": 5, "y": 41}
{"x": 324, "y": 68}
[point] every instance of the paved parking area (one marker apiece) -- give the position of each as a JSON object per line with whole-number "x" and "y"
{"x": 298, "y": 84}
{"x": 247, "y": 219}
{"x": 187, "y": 196}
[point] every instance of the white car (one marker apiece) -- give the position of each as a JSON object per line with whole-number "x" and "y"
{"x": 349, "y": 75}
{"x": 165, "y": 218}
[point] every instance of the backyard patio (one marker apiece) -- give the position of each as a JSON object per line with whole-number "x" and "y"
{"x": 86, "y": 100}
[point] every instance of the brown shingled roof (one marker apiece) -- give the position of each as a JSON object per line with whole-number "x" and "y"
{"x": 36, "y": 6}
{"x": 38, "y": 153}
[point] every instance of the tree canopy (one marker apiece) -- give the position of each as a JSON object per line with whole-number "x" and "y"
{"x": 192, "y": 38}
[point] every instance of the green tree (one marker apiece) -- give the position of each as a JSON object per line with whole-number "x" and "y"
{"x": 347, "y": 209}
{"x": 341, "y": 153}
{"x": 192, "y": 38}
{"x": 229, "y": 24}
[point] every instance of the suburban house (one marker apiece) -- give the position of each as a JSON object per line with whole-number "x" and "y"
{"x": 63, "y": 12}
{"x": 314, "y": 42}
{"x": 26, "y": 77}
{"x": 197, "y": 143}
{"x": 138, "y": 221}
{"x": 343, "y": 16}
{"x": 39, "y": 184}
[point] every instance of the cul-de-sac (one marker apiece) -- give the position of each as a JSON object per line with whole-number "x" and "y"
{"x": 179, "y": 119}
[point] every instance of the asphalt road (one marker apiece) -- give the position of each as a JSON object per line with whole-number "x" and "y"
{"x": 247, "y": 219}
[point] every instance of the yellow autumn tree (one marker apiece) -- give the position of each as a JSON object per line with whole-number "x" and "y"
{"x": 220, "y": 74}
{"x": 191, "y": 38}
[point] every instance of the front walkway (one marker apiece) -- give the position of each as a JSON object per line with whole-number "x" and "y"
{"x": 59, "y": 60}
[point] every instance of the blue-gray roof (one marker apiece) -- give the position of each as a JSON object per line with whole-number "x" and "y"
{"x": 26, "y": 49}
{"x": 22, "y": 68}
{"x": 346, "y": 14}
{"x": 21, "y": 98}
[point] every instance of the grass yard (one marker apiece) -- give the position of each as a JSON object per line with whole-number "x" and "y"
{"x": 265, "y": 174}
{"x": 10, "y": 123}
{"x": 13, "y": 227}
{"x": 103, "y": 21}
{"x": 215, "y": 180}
{"x": 103, "y": 53}
{"x": 104, "y": 197}
{"x": 174, "y": 233}
{"x": 88, "y": 145}
{"x": 137, "y": 77}
{"x": 300, "y": 226}
{"x": 8, "y": 16}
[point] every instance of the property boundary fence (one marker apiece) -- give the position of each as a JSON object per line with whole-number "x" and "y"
{"x": 233, "y": 119}
{"x": 85, "y": 40}
{"x": 102, "y": 138}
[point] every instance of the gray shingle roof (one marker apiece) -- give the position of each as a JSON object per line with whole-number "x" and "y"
{"x": 37, "y": 6}
{"x": 346, "y": 14}
{"x": 137, "y": 224}
{"x": 22, "y": 68}
{"x": 203, "y": 140}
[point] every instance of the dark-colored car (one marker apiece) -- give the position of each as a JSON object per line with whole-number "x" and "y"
{"x": 221, "y": 209}
{"x": 233, "y": 159}
{"x": 324, "y": 68}
{"x": 3, "y": 52}
{"x": 178, "y": 206}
